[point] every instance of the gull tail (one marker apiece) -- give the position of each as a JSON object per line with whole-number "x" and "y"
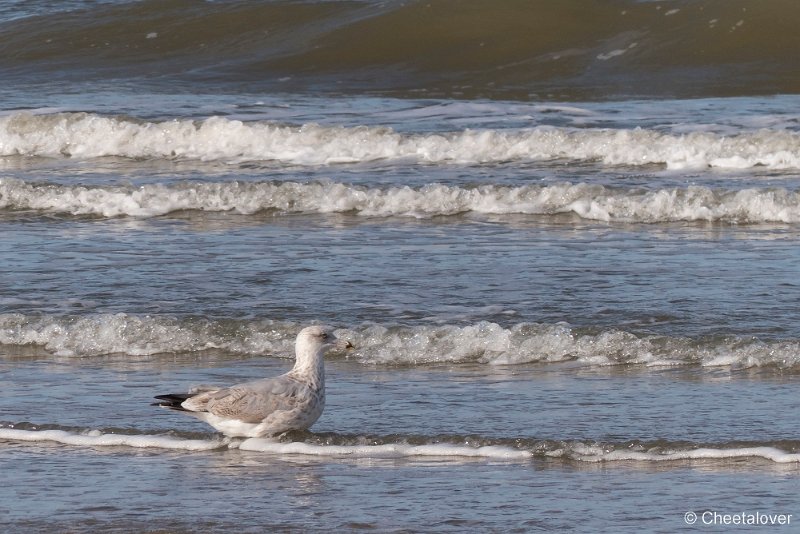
{"x": 173, "y": 401}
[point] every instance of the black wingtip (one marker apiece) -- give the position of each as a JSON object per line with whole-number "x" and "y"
{"x": 172, "y": 401}
{"x": 174, "y": 397}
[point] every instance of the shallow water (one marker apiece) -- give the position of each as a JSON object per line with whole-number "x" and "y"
{"x": 518, "y": 353}
{"x": 386, "y": 429}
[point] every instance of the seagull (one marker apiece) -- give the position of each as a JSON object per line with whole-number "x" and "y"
{"x": 269, "y": 406}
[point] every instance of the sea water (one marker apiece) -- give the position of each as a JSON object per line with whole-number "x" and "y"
{"x": 576, "y": 314}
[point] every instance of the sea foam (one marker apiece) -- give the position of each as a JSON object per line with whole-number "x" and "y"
{"x": 526, "y": 449}
{"x": 94, "y": 438}
{"x": 595, "y": 454}
{"x": 89, "y": 135}
{"x": 95, "y": 335}
{"x": 483, "y": 342}
{"x": 588, "y": 201}
{"x": 389, "y": 450}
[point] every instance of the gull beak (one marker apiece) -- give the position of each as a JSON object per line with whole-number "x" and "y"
{"x": 343, "y": 344}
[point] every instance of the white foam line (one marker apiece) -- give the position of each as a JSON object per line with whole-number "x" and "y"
{"x": 392, "y": 450}
{"x": 389, "y": 451}
{"x": 97, "y": 439}
{"x": 767, "y": 453}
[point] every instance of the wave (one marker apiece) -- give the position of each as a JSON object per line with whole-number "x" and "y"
{"x": 95, "y": 438}
{"x": 76, "y": 336}
{"x": 587, "y": 201}
{"x": 89, "y": 135}
{"x": 514, "y": 49}
{"x": 482, "y": 343}
{"x": 410, "y": 447}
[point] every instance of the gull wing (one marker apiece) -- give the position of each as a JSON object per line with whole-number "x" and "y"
{"x": 252, "y": 402}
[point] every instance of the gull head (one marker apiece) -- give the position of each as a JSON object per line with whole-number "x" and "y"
{"x": 312, "y": 342}
{"x": 319, "y": 339}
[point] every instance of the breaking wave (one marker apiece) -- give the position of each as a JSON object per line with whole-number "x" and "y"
{"x": 483, "y": 342}
{"x": 88, "y": 135}
{"x": 593, "y": 202}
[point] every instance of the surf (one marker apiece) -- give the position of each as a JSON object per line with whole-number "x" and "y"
{"x": 587, "y": 201}
{"x": 453, "y": 448}
{"x": 484, "y": 342}
{"x": 216, "y": 138}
